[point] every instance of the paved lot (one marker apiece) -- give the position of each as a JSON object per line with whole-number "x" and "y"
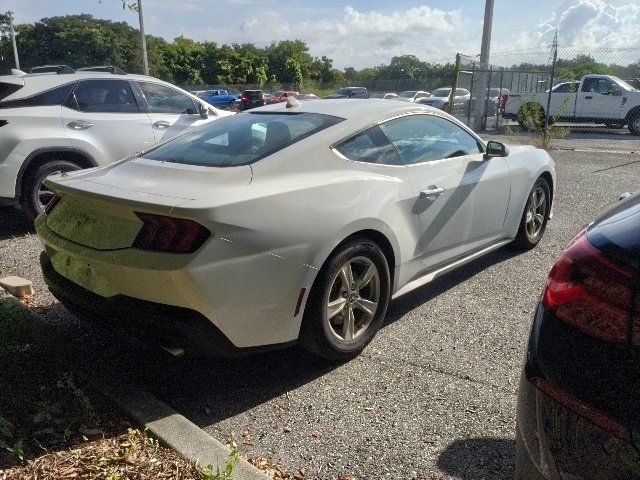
{"x": 432, "y": 397}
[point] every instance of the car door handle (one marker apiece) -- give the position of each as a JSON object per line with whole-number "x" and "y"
{"x": 588, "y": 97}
{"x": 161, "y": 124}
{"x": 431, "y": 191}
{"x": 79, "y": 125}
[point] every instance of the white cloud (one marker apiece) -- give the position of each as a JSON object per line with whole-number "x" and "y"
{"x": 361, "y": 38}
{"x": 587, "y": 24}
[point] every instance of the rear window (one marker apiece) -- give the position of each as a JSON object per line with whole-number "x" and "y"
{"x": 241, "y": 139}
{"x": 253, "y": 94}
{"x": 442, "y": 92}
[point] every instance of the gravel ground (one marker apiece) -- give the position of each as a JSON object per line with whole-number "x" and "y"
{"x": 432, "y": 397}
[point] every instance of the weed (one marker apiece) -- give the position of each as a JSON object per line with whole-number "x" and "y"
{"x": 227, "y": 473}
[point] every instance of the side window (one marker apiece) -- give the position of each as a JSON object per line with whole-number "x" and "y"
{"x": 590, "y": 85}
{"x": 607, "y": 87}
{"x": 163, "y": 99}
{"x": 103, "y": 96}
{"x": 423, "y": 138}
{"x": 55, "y": 96}
{"x": 371, "y": 146}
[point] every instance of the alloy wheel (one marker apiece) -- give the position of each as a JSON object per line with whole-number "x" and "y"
{"x": 353, "y": 300}
{"x": 536, "y": 212}
{"x": 44, "y": 195}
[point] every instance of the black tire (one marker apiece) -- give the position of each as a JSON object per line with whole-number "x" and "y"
{"x": 524, "y": 239}
{"x": 531, "y": 117}
{"x": 30, "y": 202}
{"x": 634, "y": 123}
{"x": 316, "y": 335}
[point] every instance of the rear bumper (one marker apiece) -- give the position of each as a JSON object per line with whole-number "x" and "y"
{"x": 248, "y": 295}
{"x": 154, "y": 323}
{"x": 553, "y": 440}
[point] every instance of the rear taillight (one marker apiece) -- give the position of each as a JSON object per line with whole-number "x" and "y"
{"x": 591, "y": 292}
{"x": 169, "y": 234}
{"x": 48, "y": 208}
{"x": 244, "y": 98}
{"x": 503, "y": 101}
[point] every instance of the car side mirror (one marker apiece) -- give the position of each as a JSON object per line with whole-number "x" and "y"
{"x": 203, "y": 110}
{"x": 495, "y": 149}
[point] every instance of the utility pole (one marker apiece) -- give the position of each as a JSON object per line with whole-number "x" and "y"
{"x": 480, "y": 114}
{"x": 13, "y": 39}
{"x": 143, "y": 40}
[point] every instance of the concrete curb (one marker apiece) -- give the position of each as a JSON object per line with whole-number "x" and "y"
{"x": 166, "y": 424}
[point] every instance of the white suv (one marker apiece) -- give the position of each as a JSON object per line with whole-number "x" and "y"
{"x": 66, "y": 120}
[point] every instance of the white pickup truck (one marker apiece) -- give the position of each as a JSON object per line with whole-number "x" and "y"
{"x": 595, "y": 99}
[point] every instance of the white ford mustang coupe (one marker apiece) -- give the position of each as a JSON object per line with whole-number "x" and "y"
{"x": 295, "y": 222}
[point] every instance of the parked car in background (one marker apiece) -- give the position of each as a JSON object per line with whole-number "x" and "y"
{"x": 66, "y": 120}
{"x": 578, "y": 398}
{"x": 493, "y": 98}
{"x": 389, "y": 95}
{"x": 251, "y": 99}
{"x": 412, "y": 95}
{"x": 598, "y": 99}
{"x": 236, "y": 237}
{"x": 350, "y": 92}
{"x": 307, "y": 96}
{"x": 281, "y": 96}
{"x": 218, "y": 98}
{"x": 440, "y": 98}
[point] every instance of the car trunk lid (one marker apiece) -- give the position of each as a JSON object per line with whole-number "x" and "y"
{"x": 97, "y": 208}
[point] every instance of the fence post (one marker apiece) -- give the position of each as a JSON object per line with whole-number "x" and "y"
{"x": 456, "y": 73}
{"x": 473, "y": 74}
{"x": 486, "y": 100}
{"x": 499, "y": 97}
{"x": 553, "y": 72}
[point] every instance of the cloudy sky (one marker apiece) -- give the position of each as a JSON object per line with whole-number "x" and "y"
{"x": 364, "y": 33}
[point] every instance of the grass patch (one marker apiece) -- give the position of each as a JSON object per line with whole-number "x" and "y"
{"x": 52, "y": 427}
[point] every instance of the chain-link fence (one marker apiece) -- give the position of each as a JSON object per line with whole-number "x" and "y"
{"x": 560, "y": 98}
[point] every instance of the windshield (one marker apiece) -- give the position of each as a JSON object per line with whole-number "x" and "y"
{"x": 343, "y": 91}
{"x": 441, "y": 92}
{"x": 276, "y": 94}
{"x": 625, "y": 85}
{"x": 409, "y": 94}
{"x": 241, "y": 139}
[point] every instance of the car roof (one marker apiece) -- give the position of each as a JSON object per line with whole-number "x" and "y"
{"x": 351, "y": 109}
{"x": 35, "y": 83}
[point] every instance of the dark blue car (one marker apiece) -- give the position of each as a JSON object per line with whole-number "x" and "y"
{"x": 218, "y": 98}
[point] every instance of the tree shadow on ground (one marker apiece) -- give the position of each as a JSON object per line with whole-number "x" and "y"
{"x": 412, "y": 300}
{"x": 479, "y": 458}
